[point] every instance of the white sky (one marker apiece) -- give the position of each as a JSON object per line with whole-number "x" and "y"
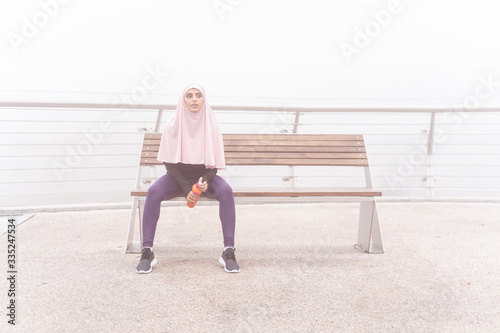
{"x": 89, "y": 51}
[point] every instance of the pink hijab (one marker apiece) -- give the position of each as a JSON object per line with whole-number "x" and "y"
{"x": 193, "y": 137}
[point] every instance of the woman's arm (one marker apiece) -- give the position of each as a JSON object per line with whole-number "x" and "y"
{"x": 209, "y": 174}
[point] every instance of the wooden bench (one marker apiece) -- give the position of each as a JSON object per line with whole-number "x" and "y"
{"x": 288, "y": 150}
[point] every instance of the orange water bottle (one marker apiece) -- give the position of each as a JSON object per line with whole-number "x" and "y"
{"x": 196, "y": 191}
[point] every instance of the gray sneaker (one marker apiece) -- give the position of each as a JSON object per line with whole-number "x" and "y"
{"x": 148, "y": 260}
{"x": 228, "y": 260}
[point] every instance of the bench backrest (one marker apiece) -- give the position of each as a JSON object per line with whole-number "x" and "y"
{"x": 279, "y": 149}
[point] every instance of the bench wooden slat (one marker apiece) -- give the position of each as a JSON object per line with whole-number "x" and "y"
{"x": 155, "y": 136}
{"x": 322, "y": 149}
{"x": 343, "y": 152}
{"x": 151, "y": 148}
{"x": 294, "y": 155}
{"x": 149, "y": 154}
{"x": 286, "y": 137}
{"x": 311, "y": 192}
{"x": 285, "y": 192}
{"x": 245, "y": 137}
{"x": 295, "y": 161}
{"x": 280, "y": 161}
{"x": 296, "y": 142}
{"x": 152, "y": 142}
{"x": 150, "y": 161}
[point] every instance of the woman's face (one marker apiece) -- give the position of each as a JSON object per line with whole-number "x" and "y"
{"x": 194, "y": 100}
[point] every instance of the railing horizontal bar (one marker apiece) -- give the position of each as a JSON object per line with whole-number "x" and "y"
{"x": 85, "y": 105}
{"x": 365, "y": 134}
{"x": 70, "y": 180}
{"x": 246, "y": 108}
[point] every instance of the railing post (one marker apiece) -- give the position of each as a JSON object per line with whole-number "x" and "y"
{"x": 158, "y": 120}
{"x": 296, "y": 122}
{"x": 430, "y": 152}
{"x": 295, "y": 129}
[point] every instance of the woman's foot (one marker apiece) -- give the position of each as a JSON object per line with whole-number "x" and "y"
{"x": 228, "y": 260}
{"x": 148, "y": 260}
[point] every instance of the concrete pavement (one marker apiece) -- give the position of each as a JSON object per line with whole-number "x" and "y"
{"x": 300, "y": 272}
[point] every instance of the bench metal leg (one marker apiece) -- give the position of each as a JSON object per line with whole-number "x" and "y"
{"x": 369, "y": 235}
{"x": 131, "y": 247}
{"x": 141, "y": 212}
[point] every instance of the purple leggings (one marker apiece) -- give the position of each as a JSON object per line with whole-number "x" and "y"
{"x": 166, "y": 188}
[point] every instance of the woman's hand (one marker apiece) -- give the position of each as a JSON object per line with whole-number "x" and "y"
{"x": 191, "y": 197}
{"x": 203, "y": 186}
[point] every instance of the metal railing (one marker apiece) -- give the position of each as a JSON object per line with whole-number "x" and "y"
{"x": 434, "y": 153}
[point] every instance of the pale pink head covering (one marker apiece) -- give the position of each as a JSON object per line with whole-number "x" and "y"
{"x": 193, "y": 137}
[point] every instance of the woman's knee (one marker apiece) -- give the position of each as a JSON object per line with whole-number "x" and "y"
{"x": 225, "y": 191}
{"x": 162, "y": 187}
{"x": 155, "y": 192}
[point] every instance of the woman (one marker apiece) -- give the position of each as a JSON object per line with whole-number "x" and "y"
{"x": 192, "y": 150}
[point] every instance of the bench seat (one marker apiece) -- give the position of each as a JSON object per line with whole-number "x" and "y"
{"x": 288, "y": 192}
